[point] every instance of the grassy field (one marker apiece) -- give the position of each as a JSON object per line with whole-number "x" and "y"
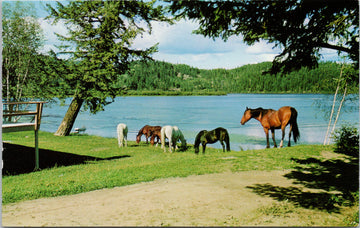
{"x": 83, "y": 163}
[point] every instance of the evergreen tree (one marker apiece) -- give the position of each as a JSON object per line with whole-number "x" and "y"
{"x": 100, "y": 39}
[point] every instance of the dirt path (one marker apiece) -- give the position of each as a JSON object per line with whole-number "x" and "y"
{"x": 206, "y": 200}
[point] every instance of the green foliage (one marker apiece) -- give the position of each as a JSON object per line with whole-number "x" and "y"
{"x": 300, "y": 28}
{"x": 161, "y": 78}
{"x": 347, "y": 141}
{"x": 22, "y": 38}
{"x": 99, "y": 43}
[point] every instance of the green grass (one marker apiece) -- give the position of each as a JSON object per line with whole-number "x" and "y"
{"x": 140, "y": 163}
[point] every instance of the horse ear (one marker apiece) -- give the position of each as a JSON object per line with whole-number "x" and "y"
{"x": 247, "y": 108}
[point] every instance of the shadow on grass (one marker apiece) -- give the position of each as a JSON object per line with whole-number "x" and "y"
{"x": 336, "y": 182}
{"x": 21, "y": 159}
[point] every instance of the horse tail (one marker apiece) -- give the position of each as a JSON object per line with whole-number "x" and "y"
{"x": 227, "y": 141}
{"x": 295, "y": 129}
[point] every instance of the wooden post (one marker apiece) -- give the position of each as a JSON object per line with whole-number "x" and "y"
{"x": 26, "y": 126}
{"x": 37, "y": 165}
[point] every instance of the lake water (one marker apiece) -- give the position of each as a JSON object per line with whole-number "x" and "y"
{"x": 194, "y": 113}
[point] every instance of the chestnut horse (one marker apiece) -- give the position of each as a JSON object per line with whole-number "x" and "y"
{"x": 147, "y": 131}
{"x": 155, "y": 133}
{"x": 271, "y": 120}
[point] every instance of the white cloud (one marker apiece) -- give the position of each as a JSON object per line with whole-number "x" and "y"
{"x": 51, "y": 40}
{"x": 178, "y": 39}
{"x": 178, "y": 45}
{"x": 261, "y": 48}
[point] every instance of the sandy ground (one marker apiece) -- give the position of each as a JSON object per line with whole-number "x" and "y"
{"x": 206, "y": 200}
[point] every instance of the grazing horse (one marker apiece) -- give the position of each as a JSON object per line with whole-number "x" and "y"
{"x": 155, "y": 133}
{"x": 122, "y": 131}
{"x": 271, "y": 120}
{"x": 204, "y": 137}
{"x": 174, "y": 134}
{"x": 146, "y": 130}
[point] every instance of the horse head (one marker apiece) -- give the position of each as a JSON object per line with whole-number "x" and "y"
{"x": 183, "y": 143}
{"x": 138, "y": 137}
{"x": 246, "y": 117}
{"x": 198, "y": 140}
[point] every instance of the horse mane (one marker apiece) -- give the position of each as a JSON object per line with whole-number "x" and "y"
{"x": 141, "y": 130}
{"x": 257, "y": 111}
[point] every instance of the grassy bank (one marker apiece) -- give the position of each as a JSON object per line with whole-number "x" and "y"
{"x": 84, "y": 163}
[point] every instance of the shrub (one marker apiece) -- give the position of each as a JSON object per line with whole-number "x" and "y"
{"x": 347, "y": 141}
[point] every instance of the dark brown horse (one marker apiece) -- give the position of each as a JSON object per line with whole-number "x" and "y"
{"x": 147, "y": 131}
{"x": 271, "y": 120}
{"x": 204, "y": 137}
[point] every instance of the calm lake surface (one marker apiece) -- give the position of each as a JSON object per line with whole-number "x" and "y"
{"x": 194, "y": 113}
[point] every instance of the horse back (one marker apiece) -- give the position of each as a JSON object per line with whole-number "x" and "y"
{"x": 220, "y": 133}
{"x": 270, "y": 119}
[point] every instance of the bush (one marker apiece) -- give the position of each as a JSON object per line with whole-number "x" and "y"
{"x": 347, "y": 141}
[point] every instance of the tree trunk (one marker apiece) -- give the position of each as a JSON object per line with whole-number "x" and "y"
{"x": 333, "y": 107}
{"x": 338, "y": 113}
{"x": 70, "y": 117}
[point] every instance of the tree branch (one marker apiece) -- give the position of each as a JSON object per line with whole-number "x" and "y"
{"x": 334, "y": 47}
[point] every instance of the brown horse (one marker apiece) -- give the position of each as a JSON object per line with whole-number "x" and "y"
{"x": 147, "y": 131}
{"x": 271, "y": 120}
{"x": 155, "y": 133}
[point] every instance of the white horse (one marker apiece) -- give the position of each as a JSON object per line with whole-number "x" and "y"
{"x": 174, "y": 134}
{"x": 122, "y": 131}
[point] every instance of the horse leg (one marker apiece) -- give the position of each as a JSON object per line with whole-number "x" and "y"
{"x": 222, "y": 143}
{"x": 204, "y": 147}
{"x": 267, "y": 137}
{"x": 289, "y": 144}
{"x": 175, "y": 145}
{"x": 125, "y": 138}
{"x": 282, "y": 137}
{"x": 273, "y": 137}
{"x": 170, "y": 145}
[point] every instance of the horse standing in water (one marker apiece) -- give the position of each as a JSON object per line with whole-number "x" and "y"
{"x": 146, "y": 130}
{"x": 174, "y": 134}
{"x": 122, "y": 131}
{"x": 204, "y": 137}
{"x": 271, "y": 120}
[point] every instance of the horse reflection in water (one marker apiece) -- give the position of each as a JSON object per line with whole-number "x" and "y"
{"x": 271, "y": 120}
{"x": 204, "y": 137}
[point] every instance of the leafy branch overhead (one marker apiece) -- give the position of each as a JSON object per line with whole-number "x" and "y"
{"x": 299, "y": 27}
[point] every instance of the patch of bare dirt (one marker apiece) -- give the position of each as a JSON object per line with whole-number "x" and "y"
{"x": 208, "y": 200}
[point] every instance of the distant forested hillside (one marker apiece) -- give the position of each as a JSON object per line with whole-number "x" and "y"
{"x": 156, "y": 77}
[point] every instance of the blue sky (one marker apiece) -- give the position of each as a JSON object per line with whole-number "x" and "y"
{"x": 178, "y": 45}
